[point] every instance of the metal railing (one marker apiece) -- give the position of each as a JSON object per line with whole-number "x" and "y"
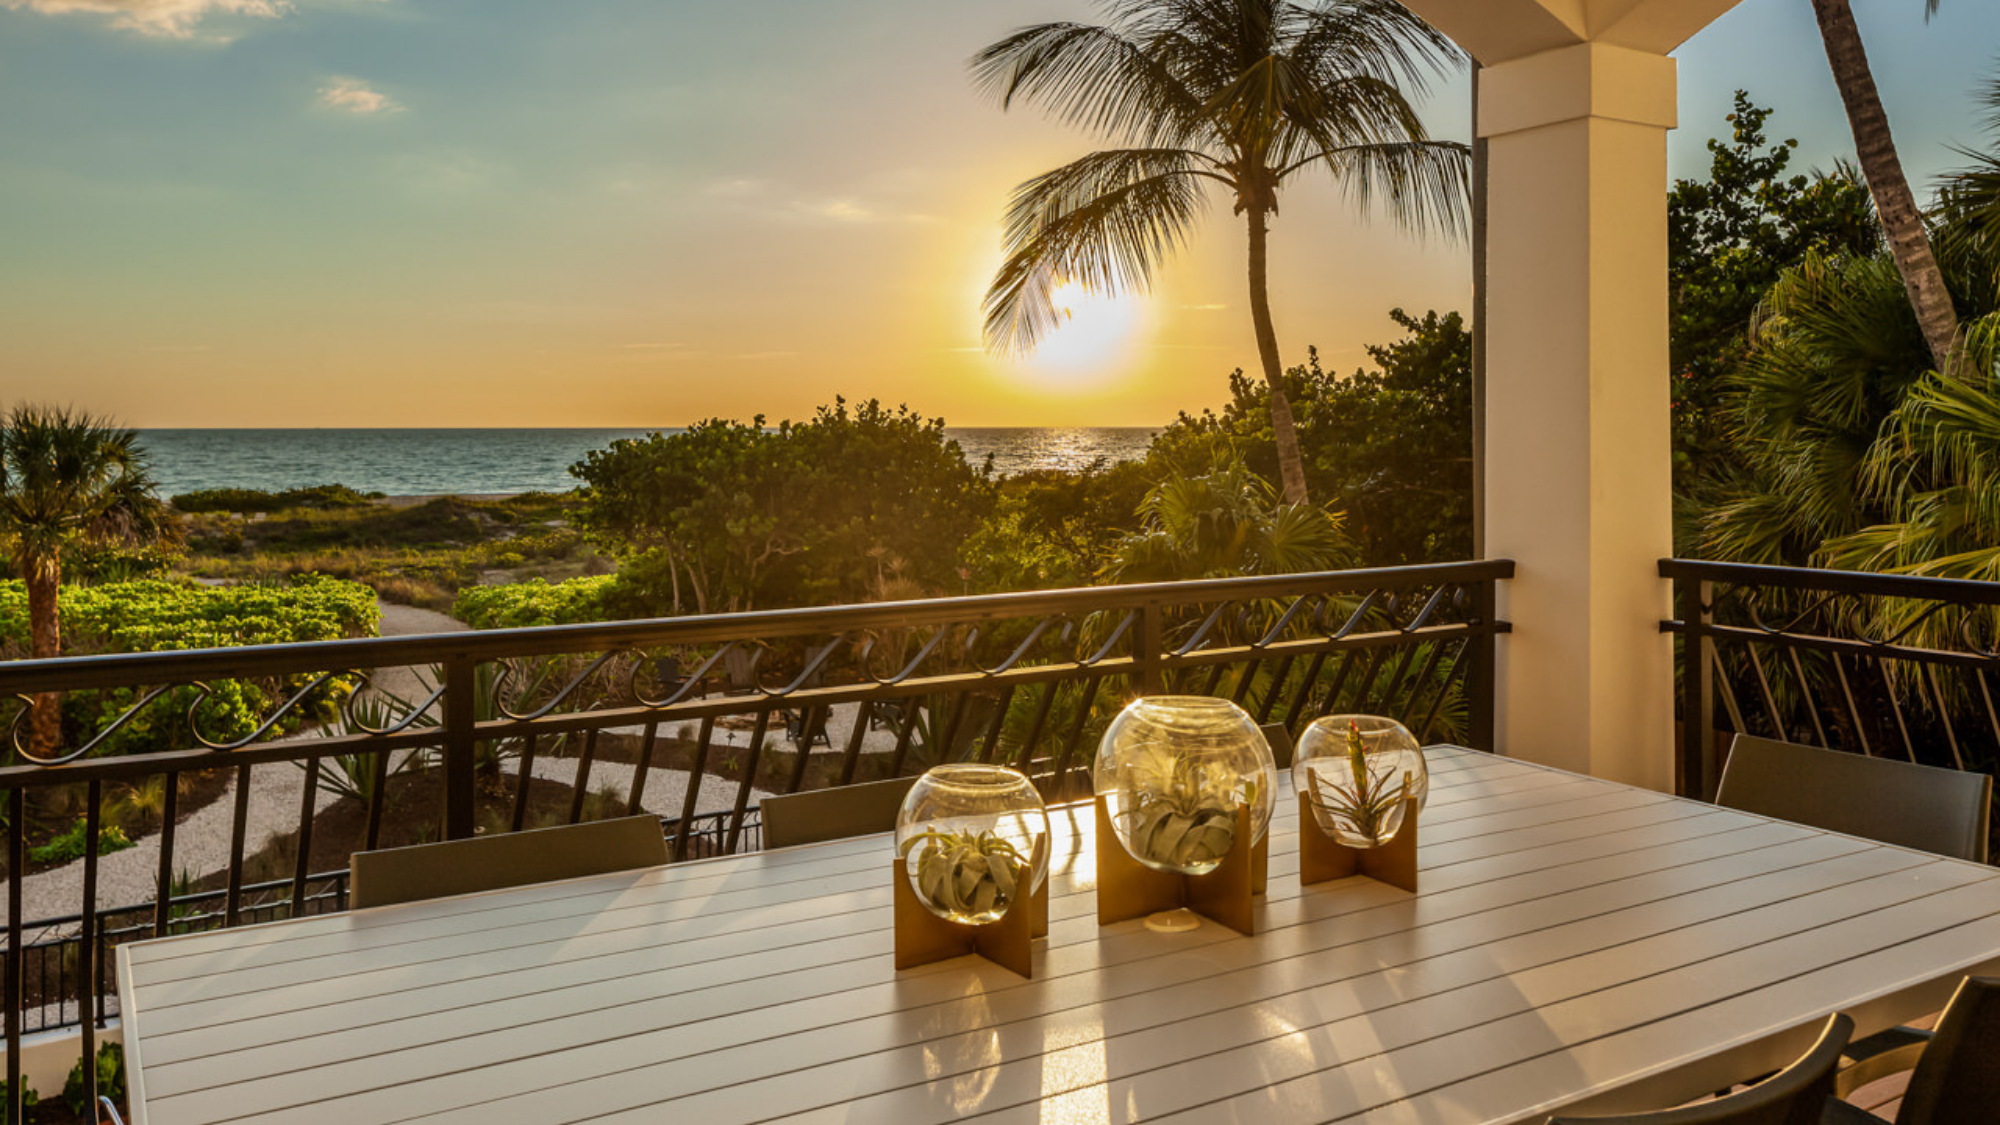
{"x": 1888, "y": 665}
{"x": 1002, "y": 678}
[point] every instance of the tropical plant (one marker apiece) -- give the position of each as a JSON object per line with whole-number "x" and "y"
{"x": 1730, "y": 236}
{"x": 67, "y": 479}
{"x": 966, "y": 876}
{"x": 160, "y": 614}
{"x": 1225, "y": 521}
{"x": 29, "y": 1099}
{"x": 1834, "y": 350}
{"x": 354, "y": 776}
{"x": 733, "y": 516}
{"x": 1855, "y": 452}
{"x": 110, "y": 1068}
{"x": 1935, "y": 473}
{"x": 1909, "y": 243}
{"x": 72, "y": 845}
{"x": 535, "y": 602}
{"x": 1365, "y": 801}
{"x": 1182, "y": 811}
{"x": 1237, "y": 94}
{"x": 1388, "y": 446}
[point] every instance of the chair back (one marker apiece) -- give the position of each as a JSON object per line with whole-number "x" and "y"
{"x": 1796, "y": 1095}
{"x": 487, "y": 863}
{"x": 1945, "y": 812}
{"x": 1958, "y": 1078}
{"x": 833, "y": 814}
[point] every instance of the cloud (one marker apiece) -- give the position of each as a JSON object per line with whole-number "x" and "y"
{"x": 769, "y": 200}
{"x": 738, "y": 187}
{"x": 837, "y": 210}
{"x": 353, "y": 95}
{"x": 169, "y": 19}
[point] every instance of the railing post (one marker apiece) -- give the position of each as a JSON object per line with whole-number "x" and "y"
{"x": 1480, "y": 683}
{"x": 1695, "y": 774}
{"x": 460, "y": 718}
{"x": 1146, "y": 646}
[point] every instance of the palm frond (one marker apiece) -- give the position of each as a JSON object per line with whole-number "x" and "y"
{"x": 71, "y": 477}
{"x": 1380, "y": 39}
{"x": 1092, "y": 77}
{"x": 1426, "y": 186}
{"x": 1106, "y": 221}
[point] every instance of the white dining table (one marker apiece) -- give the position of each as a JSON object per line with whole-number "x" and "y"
{"x": 1573, "y": 943}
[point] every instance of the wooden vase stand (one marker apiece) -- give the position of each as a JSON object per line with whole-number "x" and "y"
{"x": 1323, "y": 859}
{"x": 922, "y": 937}
{"x": 1129, "y": 889}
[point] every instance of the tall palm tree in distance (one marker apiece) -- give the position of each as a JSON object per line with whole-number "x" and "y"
{"x": 1909, "y": 243}
{"x": 67, "y": 479}
{"x": 1236, "y": 95}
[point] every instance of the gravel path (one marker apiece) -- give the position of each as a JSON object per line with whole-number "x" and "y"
{"x": 201, "y": 842}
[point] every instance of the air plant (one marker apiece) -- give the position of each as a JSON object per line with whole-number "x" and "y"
{"x": 965, "y": 876}
{"x": 1183, "y": 817}
{"x": 1371, "y": 806}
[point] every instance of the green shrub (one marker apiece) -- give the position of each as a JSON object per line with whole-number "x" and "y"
{"x": 244, "y": 501}
{"x": 534, "y": 602}
{"x": 110, "y": 1081}
{"x": 70, "y": 845}
{"x": 160, "y": 614}
{"x": 28, "y": 1099}
{"x": 116, "y": 563}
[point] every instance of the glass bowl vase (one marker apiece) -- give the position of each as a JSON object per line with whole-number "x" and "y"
{"x": 1356, "y": 773}
{"x": 1173, "y": 769}
{"x": 973, "y": 838}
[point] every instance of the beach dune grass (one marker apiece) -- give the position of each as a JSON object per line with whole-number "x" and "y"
{"x": 419, "y": 553}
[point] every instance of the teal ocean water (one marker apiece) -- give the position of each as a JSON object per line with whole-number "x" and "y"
{"x": 422, "y": 462}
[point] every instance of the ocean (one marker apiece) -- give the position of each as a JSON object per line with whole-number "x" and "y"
{"x": 424, "y": 462}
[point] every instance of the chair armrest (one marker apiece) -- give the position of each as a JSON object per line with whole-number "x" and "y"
{"x": 1883, "y": 1063}
{"x": 106, "y": 1111}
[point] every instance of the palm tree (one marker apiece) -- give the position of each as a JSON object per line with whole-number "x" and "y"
{"x": 1224, "y": 522}
{"x": 1240, "y": 94}
{"x": 1909, "y": 243}
{"x": 67, "y": 479}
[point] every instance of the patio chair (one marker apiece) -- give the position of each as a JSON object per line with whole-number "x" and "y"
{"x": 887, "y": 714}
{"x": 1800, "y": 1094}
{"x": 1945, "y": 812}
{"x": 795, "y": 729}
{"x": 1954, "y": 1071}
{"x": 487, "y": 863}
{"x": 833, "y": 814}
{"x": 107, "y": 1111}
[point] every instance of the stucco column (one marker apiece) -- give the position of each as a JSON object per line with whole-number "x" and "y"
{"x": 1578, "y": 466}
{"x": 1575, "y": 99}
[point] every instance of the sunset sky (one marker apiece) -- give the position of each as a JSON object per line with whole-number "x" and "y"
{"x": 645, "y": 212}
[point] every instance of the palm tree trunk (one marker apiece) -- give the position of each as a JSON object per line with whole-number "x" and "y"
{"x": 1897, "y": 207}
{"x": 1291, "y": 469}
{"x": 44, "y": 580}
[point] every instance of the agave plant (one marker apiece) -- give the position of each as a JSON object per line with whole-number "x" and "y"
{"x": 1366, "y": 801}
{"x": 1183, "y": 812}
{"x": 965, "y": 876}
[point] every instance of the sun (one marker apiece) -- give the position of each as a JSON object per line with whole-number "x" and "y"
{"x": 1093, "y": 339}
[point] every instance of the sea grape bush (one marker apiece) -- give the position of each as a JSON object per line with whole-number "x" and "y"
{"x": 163, "y": 614}
{"x": 730, "y": 516}
{"x": 155, "y": 614}
{"x": 534, "y": 602}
